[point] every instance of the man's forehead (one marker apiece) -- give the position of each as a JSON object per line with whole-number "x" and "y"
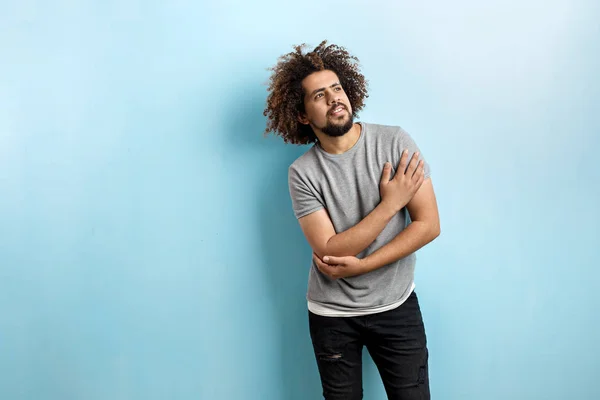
{"x": 320, "y": 80}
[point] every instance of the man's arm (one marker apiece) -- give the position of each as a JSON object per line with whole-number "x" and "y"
{"x": 423, "y": 229}
{"x": 321, "y": 236}
{"x": 395, "y": 193}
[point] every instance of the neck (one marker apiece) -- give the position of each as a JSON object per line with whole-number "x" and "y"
{"x": 341, "y": 144}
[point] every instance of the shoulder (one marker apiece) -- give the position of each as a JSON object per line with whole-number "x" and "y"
{"x": 305, "y": 162}
{"x": 384, "y": 132}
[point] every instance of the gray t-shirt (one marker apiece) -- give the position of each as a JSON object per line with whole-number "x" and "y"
{"x": 347, "y": 186}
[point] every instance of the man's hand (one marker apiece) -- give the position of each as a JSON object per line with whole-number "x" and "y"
{"x": 339, "y": 267}
{"x": 396, "y": 193}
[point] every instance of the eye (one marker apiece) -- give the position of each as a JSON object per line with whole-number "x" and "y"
{"x": 338, "y": 88}
{"x": 319, "y": 95}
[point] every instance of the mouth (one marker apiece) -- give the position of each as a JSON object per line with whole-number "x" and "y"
{"x": 338, "y": 110}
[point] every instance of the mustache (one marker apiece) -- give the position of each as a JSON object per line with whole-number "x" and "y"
{"x": 336, "y": 105}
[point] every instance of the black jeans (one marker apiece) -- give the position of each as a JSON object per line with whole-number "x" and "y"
{"x": 395, "y": 340}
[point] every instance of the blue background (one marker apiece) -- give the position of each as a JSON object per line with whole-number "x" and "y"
{"x": 147, "y": 245}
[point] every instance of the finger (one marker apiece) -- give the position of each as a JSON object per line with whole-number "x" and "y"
{"x": 324, "y": 268}
{"x": 418, "y": 180}
{"x": 421, "y": 178}
{"x": 318, "y": 261}
{"x": 419, "y": 170}
{"x": 403, "y": 163}
{"x": 412, "y": 167}
{"x": 330, "y": 260}
{"x": 385, "y": 175}
{"x": 324, "y": 271}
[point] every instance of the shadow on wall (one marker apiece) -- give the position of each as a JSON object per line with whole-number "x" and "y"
{"x": 285, "y": 254}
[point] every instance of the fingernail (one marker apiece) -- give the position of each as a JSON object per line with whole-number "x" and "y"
{"x": 326, "y": 259}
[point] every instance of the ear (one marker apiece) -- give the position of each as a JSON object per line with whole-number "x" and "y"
{"x": 302, "y": 119}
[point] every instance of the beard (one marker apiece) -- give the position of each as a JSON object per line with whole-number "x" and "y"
{"x": 338, "y": 129}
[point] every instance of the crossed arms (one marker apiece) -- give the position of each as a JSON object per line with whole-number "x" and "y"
{"x": 335, "y": 253}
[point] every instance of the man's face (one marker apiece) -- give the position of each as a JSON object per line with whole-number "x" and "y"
{"x": 327, "y": 108}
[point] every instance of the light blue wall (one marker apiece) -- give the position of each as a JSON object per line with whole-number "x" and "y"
{"x": 147, "y": 245}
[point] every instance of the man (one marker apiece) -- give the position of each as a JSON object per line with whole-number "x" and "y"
{"x": 365, "y": 202}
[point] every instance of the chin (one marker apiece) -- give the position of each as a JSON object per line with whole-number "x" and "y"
{"x": 338, "y": 129}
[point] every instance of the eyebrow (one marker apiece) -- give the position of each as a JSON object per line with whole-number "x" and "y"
{"x": 322, "y": 89}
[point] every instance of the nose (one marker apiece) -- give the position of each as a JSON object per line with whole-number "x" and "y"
{"x": 333, "y": 97}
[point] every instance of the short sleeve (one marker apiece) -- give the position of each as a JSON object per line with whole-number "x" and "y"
{"x": 304, "y": 201}
{"x": 408, "y": 143}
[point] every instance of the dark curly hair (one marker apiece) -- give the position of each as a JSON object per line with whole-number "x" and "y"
{"x": 286, "y": 97}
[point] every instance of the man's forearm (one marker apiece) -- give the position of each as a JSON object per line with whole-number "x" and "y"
{"x": 416, "y": 235}
{"x": 356, "y": 239}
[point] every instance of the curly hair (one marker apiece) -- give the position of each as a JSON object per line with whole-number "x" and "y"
{"x": 286, "y": 96}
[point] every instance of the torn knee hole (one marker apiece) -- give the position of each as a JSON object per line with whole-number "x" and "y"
{"x": 331, "y": 357}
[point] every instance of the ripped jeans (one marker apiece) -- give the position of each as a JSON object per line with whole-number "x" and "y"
{"x": 395, "y": 340}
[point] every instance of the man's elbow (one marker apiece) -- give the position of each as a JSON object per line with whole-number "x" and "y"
{"x": 320, "y": 252}
{"x": 433, "y": 230}
{"x": 323, "y": 249}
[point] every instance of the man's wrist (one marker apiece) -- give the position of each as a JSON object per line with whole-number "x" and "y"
{"x": 389, "y": 209}
{"x": 365, "y": 265}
